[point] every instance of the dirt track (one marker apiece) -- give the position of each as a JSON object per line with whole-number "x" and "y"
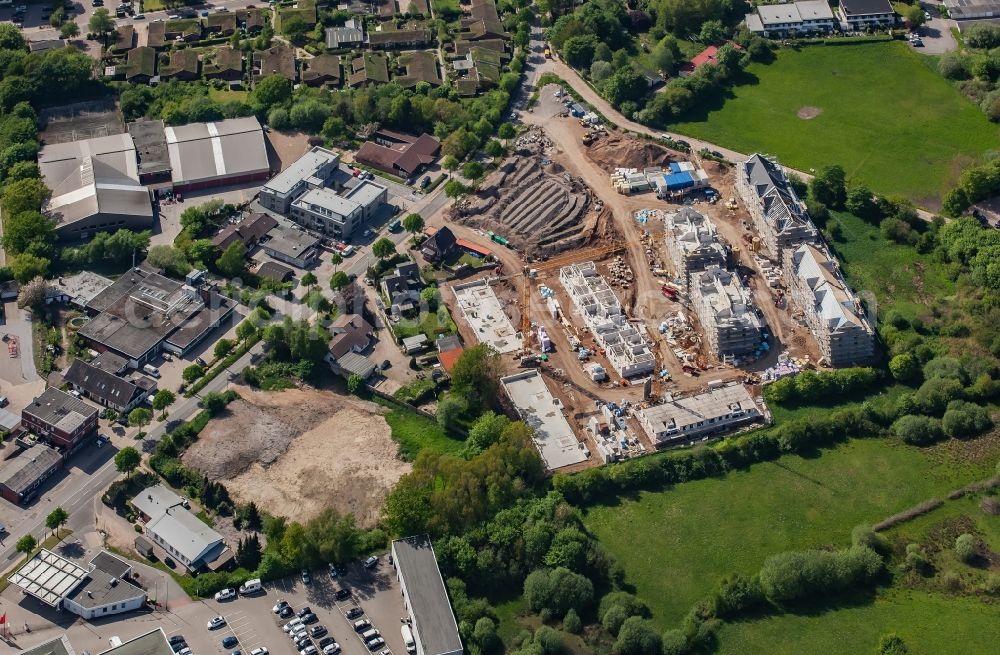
{"x": 298, "y": 451}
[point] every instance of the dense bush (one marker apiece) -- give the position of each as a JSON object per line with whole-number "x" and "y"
{"x": 918, "y": 430}
{"x": 637, "y": 637}
{"x": 617, "y": 606}
{"x": 826, "y": 386}
{"x": 965, "y": 548}
{"x": 558, "y": 590}
{"x": 738, "y": 594}
{"x": 812, "y": 574}
{"x": 963, "y": 419}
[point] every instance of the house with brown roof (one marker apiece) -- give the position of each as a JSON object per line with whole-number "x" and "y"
{"x": 351, "y": 333}
{"x": 125, "y": 40}
{"x": 478, "y": 70}
{"x": 248, "y": 231}
{"x": 463, "y": 48}
{"x": 483, "y": 22}
{"x": 399, "y": 154}
{"x": 179, "y": 65}
{"x": 320, "y": 70}
{"x": 160, "y": 34}
{"x": 222, "y": 64}
{"x": 369, "y": 68}
{"x": 419, "y": 66}
{"x": 389, "y": 37}
{"x": 223, "y": 24}
{"x": 253, "y": 20}
{"x": 140, "y": 65}
{"x": 276, "y": 60}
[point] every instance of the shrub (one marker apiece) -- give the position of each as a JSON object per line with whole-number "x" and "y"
{"x": 864, "y": 536}
{"x": 964, "y": 419}
{"x": 637, "y": 637}
{"x": 572, "y": 623}
{"x": 737, "y": 594}
{"x": 674, "y": 643}
{"x": 916, "y": 559}
{"x": 934, "y": 395}
{"x": 918, "y": 430}
{"x": 905, "y": 367}
{"x": 613, "y": 619}
{"x": 558, "y": 590}
{"x": 794, "y": 576}
{"x": 549, "y": 639}
{"x": 891, "y": 644}
{"x": 966, "y": 548}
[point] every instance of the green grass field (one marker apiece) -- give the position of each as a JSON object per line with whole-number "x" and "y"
{"x": 930, "y": 624}
{"x": 675, "y": 545}
{"x": 899, "y": 275}
{"x": 415, "y": 432}
{"x": 885, "y": 116}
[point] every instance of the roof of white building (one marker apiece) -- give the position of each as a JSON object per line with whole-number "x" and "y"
{"x": 711, "y": 405}
{"x": 302, "y": 168}
{"x": 176, "y": 526}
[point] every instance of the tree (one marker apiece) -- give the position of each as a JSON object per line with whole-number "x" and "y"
{"x": 168, "y": 259}
{"x": 637, "y": 637}
{"x": 339, "y": 280}
{"x": 914, "y": 15}
{"x": 454, "y": 188}
{"x": 355, "y": 384}
{"x": 56, "y": 519}
{"x": 222, "y": 348}
{"x": 449, "y": 163}
{"x": 578, "y": 51}
{"x": 271, "y": 91}
{"x": 140, "y": 417}
{"x": 26, "y": 545}
{"x": 506, "y": 131}
{"x": 163, "y": 399}
{"x": 861, "y": 202}
{"x": 383, "y": 248}
{"x": 712, "y": 31}
{"x": 893, "y": 644}
{"x": 486, "y": 430}
{"x": 246, "y": 330}
{"x": 336, "y": 259}
{"x": 29, "y": 230}
{"x": 11, "y": 38}
{"x": 965, "y": 548}
{"x": 69, "y": 30}
{"x": 309, "y": 279}
{"x": 127, "y": 459}
{"x": 296, "y": 29}
{"x": 450, "y": 409}
{"x": 24, "y": 196}
{"x": 473, "y": 170}
{"x": 26, "y": 267}
{"x": 192, "y": 373}
{"x": 32, "y": 295}
{"x": 830, "y": 187}
{"x": 963, "y": 419}
{"x": 214, "y": 402}
{"x": 476, "y": 374}
{"x": 572, "y": 623}
{"x": 232, "y": 262}
{"x": 413, "y": 223}
{"x": 494, "y": 148}
{"x": 905, "y": 367}
{"x": 101, "y": 22}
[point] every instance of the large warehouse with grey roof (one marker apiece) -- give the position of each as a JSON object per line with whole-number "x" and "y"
{"x": 204, "y": 155}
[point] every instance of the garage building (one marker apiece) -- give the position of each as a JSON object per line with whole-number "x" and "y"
{"x": 206, "y": 155}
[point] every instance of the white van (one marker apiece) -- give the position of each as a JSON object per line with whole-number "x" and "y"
{"x": 250, "y": 587}
{"x": 151, "y": 370}
{"x": 368, "y": 635}
{"x": 411, "y": 646}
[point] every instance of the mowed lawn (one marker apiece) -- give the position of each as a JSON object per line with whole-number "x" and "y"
{"x": 676, "y": 544}
{"x": 885, "y": 116}
{"x": 930, "y": 625}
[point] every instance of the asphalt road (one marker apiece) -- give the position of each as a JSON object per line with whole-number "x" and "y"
{"x": 78, "y": 499}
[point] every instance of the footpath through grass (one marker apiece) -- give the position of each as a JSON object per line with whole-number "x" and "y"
{"x": 884, "y": 115}
{"x": 930, "y": 624}
{"x": 675, "y": 545}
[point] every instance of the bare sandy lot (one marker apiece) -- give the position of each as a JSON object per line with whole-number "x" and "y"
{"x": 299, "y": 451}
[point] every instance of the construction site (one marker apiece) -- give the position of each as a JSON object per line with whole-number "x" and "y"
{"x": 651, "y": 321}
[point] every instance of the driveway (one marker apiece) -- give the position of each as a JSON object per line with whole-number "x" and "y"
{"x": 20, "y": 369}
{"x": 936, "y": 33}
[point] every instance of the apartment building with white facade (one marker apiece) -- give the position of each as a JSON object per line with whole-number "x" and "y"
{"x": 725, "y": 309}
{"x": 778, "y": 214}
{"x": 692, "y": 242}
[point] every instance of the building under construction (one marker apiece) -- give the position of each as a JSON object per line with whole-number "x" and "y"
{"x": 725, "y": 308}
{"x": 716, "y": 411}
{"x": 626, "y": 348}
{"x": 831, "y": 310}
{"x": 692, "y": 243}
{"x": 777, "y": 212}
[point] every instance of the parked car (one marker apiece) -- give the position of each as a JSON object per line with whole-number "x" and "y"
{"x": 332, "y": 568}
{"x": 286, "y": 612}
{"x": 260, "y": 650}
{"x": 325, "y": 641}
{"x": 230, "y": 641}
{"x": 176, "y": 639}
{"x": 141, "y": 17}
{"x": 179, "y": 646}
{"x": 331, "y": 649}
{"x": 310, "y": 618}
{"x": 308, "y": 650}
{"x": 225, "y": 594}
{"x": 305, "y": 610}
{"x": 425, "y": 181}
{"x": 342, "y": 594}
{"x": 375, "y": 643}
{"x": 362, "y": 625}
{"x": 291, "y": 625}
{"x": 318, "y": 631}
{"x": 371, "y": 562}
{"x": 216, "y": 623}
{"x": 100, "y": 441}
{"x": 306, "y": 578}
{"x": 354, "y": 612}
{"x": 280, "y": 605}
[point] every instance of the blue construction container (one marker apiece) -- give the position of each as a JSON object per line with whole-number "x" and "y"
{"x": 675, "y": 167}
{"x": 679, "y": 181}
{"x": 576, "y": 110}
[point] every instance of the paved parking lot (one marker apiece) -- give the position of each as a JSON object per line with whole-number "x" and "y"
{"x": 249, "y": 619}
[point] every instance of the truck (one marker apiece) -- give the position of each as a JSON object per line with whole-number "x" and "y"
{"x": 548, "y": 51}
{"x": 499, "y": 239}
{"x": 151, "y": 370}
{"x": 411, "y": 646}
{"x": 250, "y": 587}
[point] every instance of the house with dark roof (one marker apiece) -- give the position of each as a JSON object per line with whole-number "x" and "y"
{"x": 59, "y": 418}
{"x": 160, "y": 34}
{"x": 478, "y": 70}
{"x": 221, "y": 24}
{"x": 861, "y": 15}
{"x": 402, "y": 290}
{"x": 418, "y": 66}
{"x": 140, "y": 65}
{"x": 389, "y": 37}
{"x": 179, "y": 65}
{"x": 275, "y": 271}
{"x": 483, "y": 22}
{"x": 23, "y": 474}
{"x": 399, "y": 154}
{"x": 276, "y": 60}
{"x": 369, "y": 68}
{"x": 350, "y": 333}
{"x": 321, "y": 70}
{"x": 253, "y": 20}
{"x": 223, "y": 64}
{"x": 107, "y": 389}
{"x": 125, "y": 39}
{"x": 247, "y": 231}
{"x": 438, "y": 245}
